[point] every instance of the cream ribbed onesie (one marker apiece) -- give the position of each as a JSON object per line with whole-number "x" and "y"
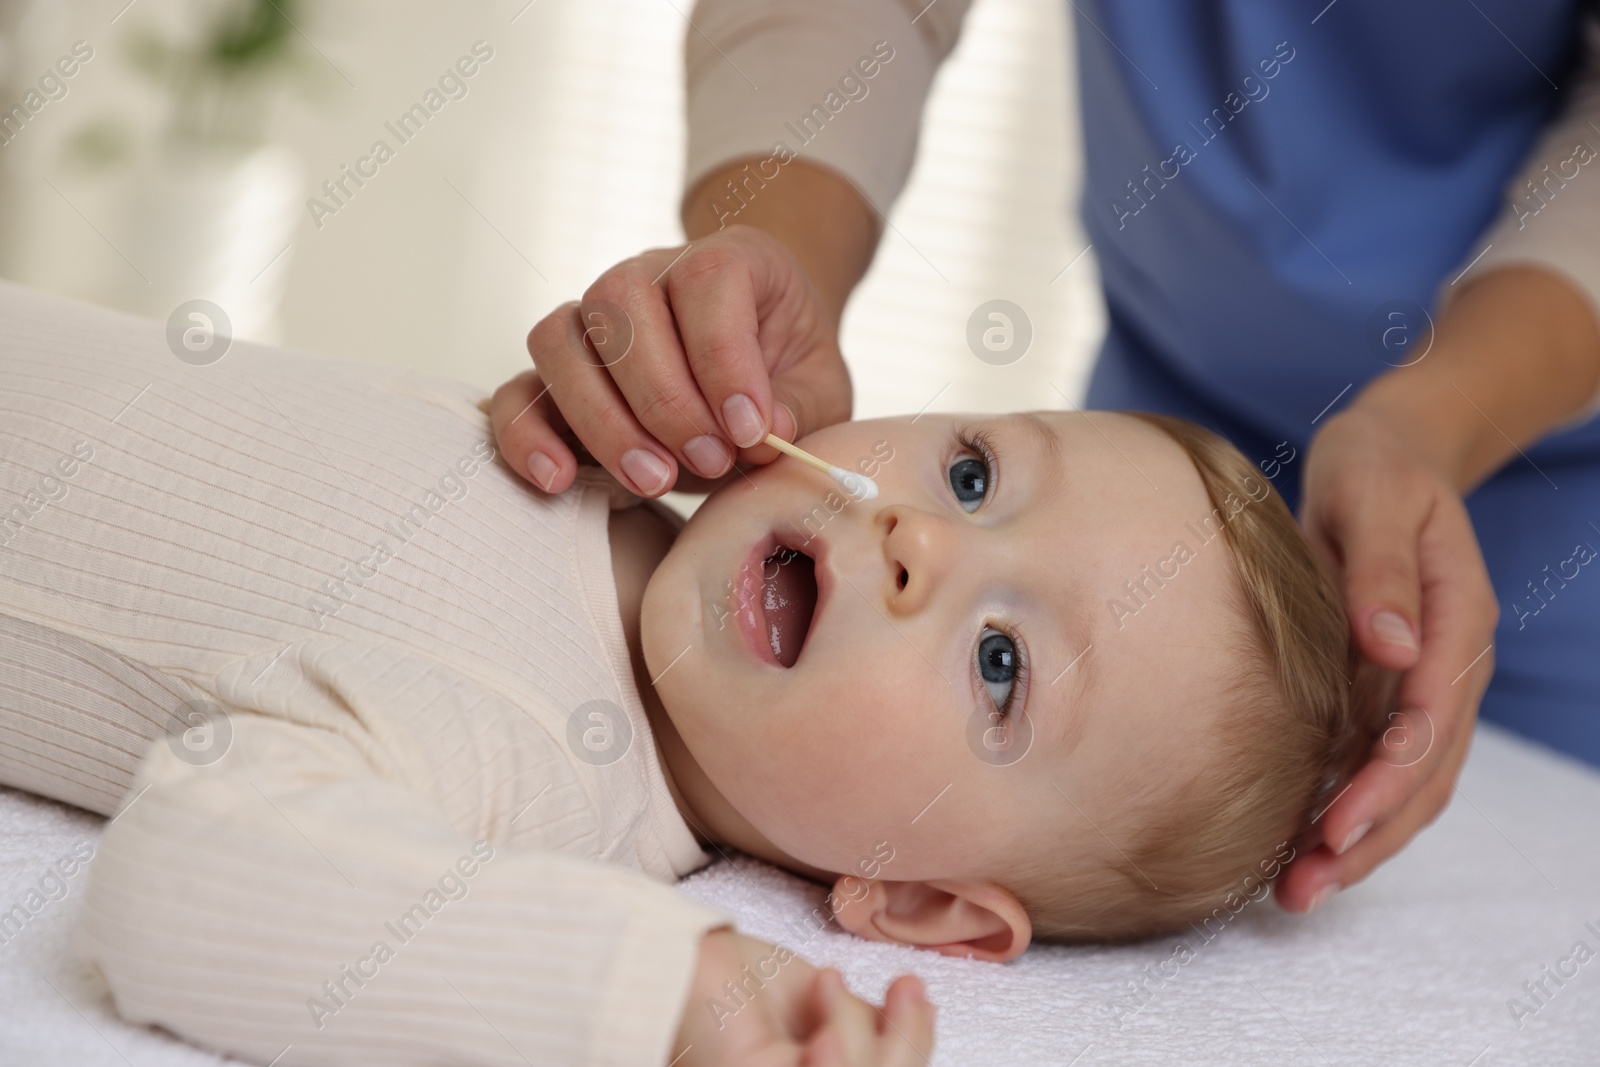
{"x": 400, "y": 804}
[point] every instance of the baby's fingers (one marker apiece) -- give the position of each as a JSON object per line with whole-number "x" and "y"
{"x": 846, "y": 1031}
{"x": 905, "y": 1024}
{"x": 527, "y": 428}
{"x": 852, "y": 1033}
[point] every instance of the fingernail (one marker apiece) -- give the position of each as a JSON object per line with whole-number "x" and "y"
{"x": 1355, "y": 835}
{"x": 1394, "y": 629}
{"x": 743, "y": 419}
{"x": 794, "y": 423}
{"x": 646, "y": 470}
{"x": 1322, "y": 896}
{"x": 543, "y": 469}
{"x": 707, "y": 456}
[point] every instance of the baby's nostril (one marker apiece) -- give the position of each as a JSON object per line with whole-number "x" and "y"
{"x": 903, "y": 578}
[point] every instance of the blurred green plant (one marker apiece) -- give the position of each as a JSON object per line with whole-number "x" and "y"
{"x": 220, "y": 83}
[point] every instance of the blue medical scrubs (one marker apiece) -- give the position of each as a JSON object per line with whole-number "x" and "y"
{"x": 1275, "y": 191}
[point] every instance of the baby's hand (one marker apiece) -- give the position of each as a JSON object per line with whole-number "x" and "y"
{"x": 784, "y": 1012}
{"x": 678, "y": 357}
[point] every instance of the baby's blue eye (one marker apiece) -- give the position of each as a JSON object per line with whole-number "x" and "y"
{"x": 969, "y": 477}
{"x": 997, "y": 664}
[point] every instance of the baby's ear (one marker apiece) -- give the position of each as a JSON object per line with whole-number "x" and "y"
{"x": 978, "y": 920}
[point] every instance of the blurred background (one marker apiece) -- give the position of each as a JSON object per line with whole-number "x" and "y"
{"x": 178, "y": 159}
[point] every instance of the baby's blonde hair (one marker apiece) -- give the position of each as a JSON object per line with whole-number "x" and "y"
{"x": 1301, "y": 718}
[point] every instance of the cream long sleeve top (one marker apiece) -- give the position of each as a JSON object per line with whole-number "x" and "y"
{"x": 755, "y": 68}
{"x": 398, "y": 800}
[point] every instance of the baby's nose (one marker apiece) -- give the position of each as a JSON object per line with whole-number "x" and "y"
{"x": 919, "y": 549}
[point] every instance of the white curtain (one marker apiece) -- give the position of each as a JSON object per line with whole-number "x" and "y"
{"x": 565, "y": 155}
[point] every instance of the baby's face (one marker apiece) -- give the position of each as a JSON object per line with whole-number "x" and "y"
{"x": 943, "y": 668}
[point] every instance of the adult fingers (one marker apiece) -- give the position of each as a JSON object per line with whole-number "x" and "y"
{"x": 527, "y": 430}
{"x": 746, "y": 312}
{"x": 1354, "y": 853}
{"x": 1419, "y": 810}
{"x": 763, "y": 351}
{"x": 594, "y": 409}
{"x": 635, "y": 336}
{"x": 1376, "y": 521}
{"x": 1416, "y": 761}
{"x": 1439, "y": 696}
{"x": 1313, "y": 878}
{"x": 713, "y": 291}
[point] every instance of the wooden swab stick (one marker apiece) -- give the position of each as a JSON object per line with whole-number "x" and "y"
{"x": 857, "y": 485}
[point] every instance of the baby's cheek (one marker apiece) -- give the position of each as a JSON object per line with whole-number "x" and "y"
{"x": 878, "y": 743}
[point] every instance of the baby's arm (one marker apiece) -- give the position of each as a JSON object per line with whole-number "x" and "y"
{"x": 291, "y": 895}
{"x": 290, "y": 905}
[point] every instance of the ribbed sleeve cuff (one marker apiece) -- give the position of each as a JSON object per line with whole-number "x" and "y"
{"x": 1567, "y": 256}
{"x": 651, "y": 973}
{"x": 839, "y": 83}
{"x": 1551, "y": 215}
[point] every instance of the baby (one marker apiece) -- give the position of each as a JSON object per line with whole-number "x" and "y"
{"x": 402, "y": 755}
{"x": 1080, "y": 671}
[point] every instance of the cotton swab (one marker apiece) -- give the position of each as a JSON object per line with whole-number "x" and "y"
{"x": 858, "y": 486}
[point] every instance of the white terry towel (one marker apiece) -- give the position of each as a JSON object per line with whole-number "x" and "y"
{"x": 1417, "y": 965}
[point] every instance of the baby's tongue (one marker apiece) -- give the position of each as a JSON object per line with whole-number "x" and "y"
{"x": 788, "y": 599}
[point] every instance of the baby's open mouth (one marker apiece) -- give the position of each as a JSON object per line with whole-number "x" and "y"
{"x": 788, "y": 601}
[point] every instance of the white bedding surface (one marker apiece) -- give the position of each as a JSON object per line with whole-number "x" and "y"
{"x": 1414, "y": 966}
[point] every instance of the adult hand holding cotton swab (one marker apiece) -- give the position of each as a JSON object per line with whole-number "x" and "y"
{"x": 859, "y": 486}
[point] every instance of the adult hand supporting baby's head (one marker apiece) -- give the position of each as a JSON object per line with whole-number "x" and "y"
{"x": 678, "y": 356}
{"x": 1512, "y": 357}
{"x": 1389, "y": 521}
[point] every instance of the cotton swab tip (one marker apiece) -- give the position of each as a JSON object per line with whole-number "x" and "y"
{"x": 857, "y": 485}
